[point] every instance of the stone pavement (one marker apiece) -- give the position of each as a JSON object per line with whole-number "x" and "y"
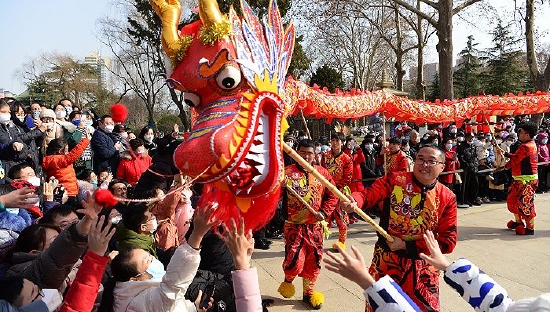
{"x": 521, "y": 264}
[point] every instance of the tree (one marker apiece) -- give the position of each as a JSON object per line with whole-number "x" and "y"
{"x": 540, "y": 78}
{"x": 445, "y": 10}
{"x": 505, "y": 70}
{"x": 467, "y": 75}
{"x": 328, "y": 77}
{"x": 434, "y": 91}
{"x": 53, "y": 76}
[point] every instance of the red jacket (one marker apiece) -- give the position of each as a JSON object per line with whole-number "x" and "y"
{"x": 451, "y": 164}
{"x": 83, "y": 292}
{"x": 410, "y": 209}
{"x": 132, "y": 166}
{"x": 357, "y": 158}
{"x": 524, "y": 160}
{"x": 340, "y": 168}
{"x": 61, "y": 167}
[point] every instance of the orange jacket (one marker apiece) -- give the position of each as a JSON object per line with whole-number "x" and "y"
{"x": 61, "y": 167}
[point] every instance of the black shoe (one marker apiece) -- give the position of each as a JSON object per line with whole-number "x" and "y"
{"x": 261, "y": 244}
{"x": 477, "y": 203}
{"x": 529, "y": 232}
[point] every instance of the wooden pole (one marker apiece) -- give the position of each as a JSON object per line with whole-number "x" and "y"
{"x": 305, "y": 124}
{"x": 302, "y": 200}
{"x": 334, "y": 189}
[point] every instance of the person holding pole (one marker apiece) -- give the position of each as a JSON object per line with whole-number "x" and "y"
{"x": 340, "y": 167}
{"x": 414, "y": 202}
{"x": 308, "y": 203}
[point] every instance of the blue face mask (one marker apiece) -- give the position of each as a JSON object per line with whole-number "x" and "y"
{"x": 369, "y": 147}
{"x": 76, "y": 122}
{"x": 69, "y": 110}
{"x": 156, "y": 269}
{"x": 544, "y": 141}
{"x": 94, "y": 182}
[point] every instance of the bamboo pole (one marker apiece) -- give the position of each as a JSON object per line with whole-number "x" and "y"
{"x": 334, "y": 189}
{"x": 302, "y": 200}
{"x": 305, "y": 124}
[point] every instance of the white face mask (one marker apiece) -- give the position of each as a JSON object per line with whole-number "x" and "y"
{"x": 69, "y": 110}
{"x": 52, "y": 298}
{"x": 35, "y": 181}
{"x": 116, "y": 220}
{"x": 109, "y": 128}
{"x": 60, "y": 114}
{"x": 21, "y": 118}
{"x": 48, "y": 125}
{"x": 448, "y": 146}
{"x": 124, "y": 135}
{"x": 155, "y": 226}
{"x": 5, "y": 118}
{"x": 148, "y": 138}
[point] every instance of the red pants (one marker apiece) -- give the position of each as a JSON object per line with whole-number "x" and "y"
{"x": 303, "y": 250}
{"x": 521, "y": 201}
{"x": 417, "y": 278}
{"x": 342, "y": 220}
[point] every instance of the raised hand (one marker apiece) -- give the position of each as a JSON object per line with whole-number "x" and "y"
{"x": 17, "y": 146}
{"x": 90, "y": 210}
{"x": 202, "y": 222}
{"x": 436, "y": 258}
{"x": 351, "y": 268}
{"x": 99, "y": 236}
{"x": 240, "y": 244}
{"x": 18, "y": 198}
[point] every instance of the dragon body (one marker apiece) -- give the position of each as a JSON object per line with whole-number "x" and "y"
{"x": 232, "y": 72}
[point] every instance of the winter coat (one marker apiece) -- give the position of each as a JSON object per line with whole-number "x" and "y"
{"x": 36, "y": 306}
{"x": 105, "y": 153}
{"x": 167, "y": 295}
{"x": 11, "y": 133}
{"x": 166, "y": 235}
{"x": 51, "y": 267}
{"x": 451, "y": 164}
{"x": 160, "y": 174}
{"x": 184, "y": 214}
{"x": 127, "y": 239}
{"x": 247, "y": 290}
{"x": 132, "y": 166}
{"x": 83, "y": 292}
{"x": 11, "y": 225}
{"x": 357, "y": 159}
{"x": 467, "y": 156}
{"x": 61, "y": 167}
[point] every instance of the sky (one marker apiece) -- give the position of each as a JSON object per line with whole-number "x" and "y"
{"x": 31, "y": 27}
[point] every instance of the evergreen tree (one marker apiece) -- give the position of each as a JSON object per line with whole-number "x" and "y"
{"x": 434, "y": 90}
{"x": 326, "y": 76}
{"x": 506, "y": 71}
{"x": 467, "y": 75}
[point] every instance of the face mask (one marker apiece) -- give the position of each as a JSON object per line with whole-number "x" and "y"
{"x": 76, "y": 122}
{"x": 35, "y": 181}
{"x": 448, "y": 146}
{"x": 52, "y": 298}
{"x": 13, "y": 211}
{"x": 452, "y": 130}
{"x": 139, "y": 152}
{"x": 406, "y": 148}
{"x": 488, "y": 138}
{"x": 5, "y": 118}
{"x": 109, "y": 128}
{"x": 93, "y": 182}
{"x": 460, "y": 139}
{"x": 124, "y": 135}
{"x": 69, "y": 110}
{"x": 302, "y": 138}
{"x": 155, "y": 226}
{"x": 318, "y": 150}
{"x": 435, "y": 144}
{"x": 116, "y": 220}
{"x": 60, "y": 114}
{"x": 369, "y": 147}
{"x": 21, "y": 118}
{"x": 149, "y": 138}
{"x": 544, "y": 141}
{"x": 48, "y": 125}
{"x": 89, "y": 122}
{"x": 291, "y": 144}
{"x": 156, "y": 269}
{"x": 35, "y": 114}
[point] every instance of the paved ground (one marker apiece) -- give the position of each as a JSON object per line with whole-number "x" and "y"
{"x": 520, "y": 264}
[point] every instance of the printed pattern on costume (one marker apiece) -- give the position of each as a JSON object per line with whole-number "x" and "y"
{"x": 340, "y": 168}
{"x": 397, "y": 162}
{"x": 521, "y": 198}
{"x": 416, "y": 277}
{"x": 476, "y": 287}
{"x": 303, "y": 250}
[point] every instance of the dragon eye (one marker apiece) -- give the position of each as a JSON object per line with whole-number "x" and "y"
{"x": 229, "y": 78}
{"x": 191, "y": 99}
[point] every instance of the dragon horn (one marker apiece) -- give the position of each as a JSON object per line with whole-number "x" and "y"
{"x": 209, "y": 12}
{"x": 169, "y": 15}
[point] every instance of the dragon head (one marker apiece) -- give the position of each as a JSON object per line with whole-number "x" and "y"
{"x": 231, "y": 71}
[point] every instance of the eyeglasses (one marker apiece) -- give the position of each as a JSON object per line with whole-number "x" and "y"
{"x": 429, "y": 162}
{"x": 39, "y": 295}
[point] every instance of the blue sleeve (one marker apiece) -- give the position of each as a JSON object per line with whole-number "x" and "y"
{"x": 103, "y": 146}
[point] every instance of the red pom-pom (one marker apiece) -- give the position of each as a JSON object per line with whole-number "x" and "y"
{"x": 105, "y": 198}
{"x": 119, "y": 112}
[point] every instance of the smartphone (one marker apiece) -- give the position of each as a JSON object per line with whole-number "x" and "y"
{"x": 207, "y": 293}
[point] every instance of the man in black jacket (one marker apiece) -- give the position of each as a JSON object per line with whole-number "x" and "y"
{"x": 468, "y": 162}
{"x": 106, "y": 154}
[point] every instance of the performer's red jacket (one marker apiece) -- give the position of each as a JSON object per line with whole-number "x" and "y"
{"x": 524, "y": 160}
{"x": 410, "y": 209}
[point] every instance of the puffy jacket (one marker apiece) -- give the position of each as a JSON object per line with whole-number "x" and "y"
{"x": 61, "y": 167}
{"x": 83, "y": 292}
{"x": 132, "y": 166}
{"x": 164, "y": 296}
{"x": 166, "y": 235}
{"x": 105, "y": 153}
{"x": 247, "y": 290}
{"x": 467, "y": 156}
{"x": 11, "y": 133}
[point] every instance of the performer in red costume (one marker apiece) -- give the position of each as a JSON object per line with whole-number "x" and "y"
{"x": 413, "y": 203}
{"x": 340, "y": 167}
{"x": 303, "y": 231}
{"x": 521, "y": 195}
{"x": 396, "y": 160}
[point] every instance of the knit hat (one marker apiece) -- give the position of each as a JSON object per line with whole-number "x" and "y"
{"x": 47, "y": 113}
{"x": 537, "y": 304}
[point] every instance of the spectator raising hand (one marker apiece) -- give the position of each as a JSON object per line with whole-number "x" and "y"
{"x": 240, "y": 244}
{"x": 90, "y": 210}
{"x": 20, "y": 198}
